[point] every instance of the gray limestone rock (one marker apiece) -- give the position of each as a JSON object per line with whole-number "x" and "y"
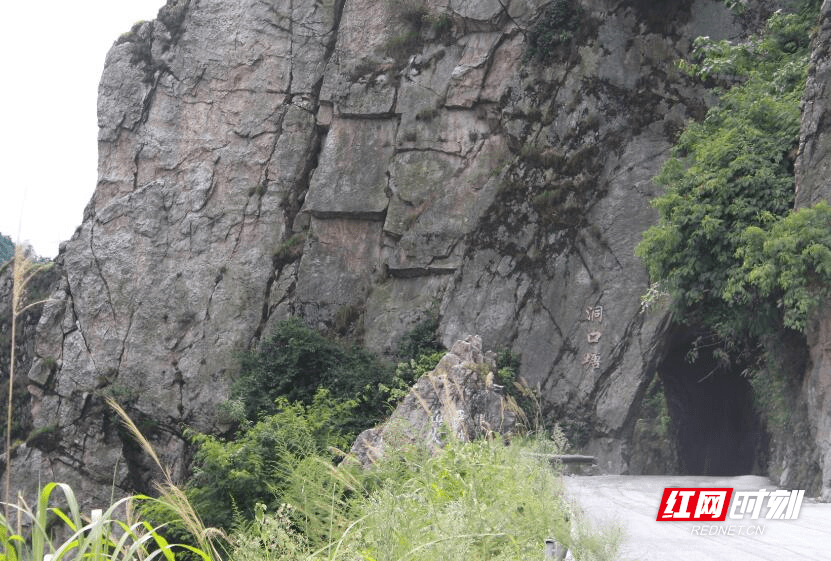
{"x": 351, "y": 176}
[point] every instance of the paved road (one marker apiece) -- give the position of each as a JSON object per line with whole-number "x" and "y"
{"x": 632, "y": 502}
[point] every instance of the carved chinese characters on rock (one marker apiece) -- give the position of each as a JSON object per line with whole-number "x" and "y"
{"x": 593, "y": 315}
{"x": 591, "y": 360}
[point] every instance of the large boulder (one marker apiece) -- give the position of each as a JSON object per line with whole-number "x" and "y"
{"x": 458, "y": 399}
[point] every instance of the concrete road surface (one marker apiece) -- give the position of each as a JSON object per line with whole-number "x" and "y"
{"x": 632, "y": 502}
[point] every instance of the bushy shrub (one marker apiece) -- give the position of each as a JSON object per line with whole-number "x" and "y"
{"x": 407, "y": 374}
{"x": 299, "y": 395}
{"x": 296, "y": 360}
{"x": 553, "y": 29}
{"x": 233, "y": 476}
{"x": 420, "y": 340}
{"x": 418, "y": 22}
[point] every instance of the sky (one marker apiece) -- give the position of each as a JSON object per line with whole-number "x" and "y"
{"x": 53, "y": 56}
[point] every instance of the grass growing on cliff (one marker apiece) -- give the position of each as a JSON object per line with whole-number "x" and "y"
{"x": 553, "y": 29}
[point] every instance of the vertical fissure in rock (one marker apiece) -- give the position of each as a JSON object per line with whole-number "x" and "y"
{"x": 100, "y": 270}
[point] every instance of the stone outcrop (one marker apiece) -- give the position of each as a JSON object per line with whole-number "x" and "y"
{"x": 400, "y": 158}
{"x": 459, "y": 396}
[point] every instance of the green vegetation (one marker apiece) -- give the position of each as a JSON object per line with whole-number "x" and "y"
{"x": 480, "y": 500}
{"x": 6, "y": 249}
{"x": 418, "y": 22}
{"x": 483, "y": 499}
{"x": 295, "y": 361}
{"x": 654, "y": 410}
{"x": 719, "y": 247}
{"x": 278, "y": 490}
{"x": 106, "y": 535}
{"x": 788, "y": 262}
{"x": 231, "y": 477}
{"x": 290, "y": 249}
{"x": 420, "y": 340}
{"x": 402, "y": 45}
{"x": 554, "y": 29}
{"x": 56, "y": 529}
{"x": 299, "y": 396}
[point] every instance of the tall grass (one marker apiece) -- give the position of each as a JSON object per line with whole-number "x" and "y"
{"x": 475, "y": 500}
{"x": 56, "y": 530}
{"x": 55, "y": 533}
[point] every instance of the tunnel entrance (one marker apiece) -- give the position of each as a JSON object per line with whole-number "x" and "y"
{"x": 714, "y": 426}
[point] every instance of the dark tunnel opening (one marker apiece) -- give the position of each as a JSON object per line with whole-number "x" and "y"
{"x": 714, "y": 426}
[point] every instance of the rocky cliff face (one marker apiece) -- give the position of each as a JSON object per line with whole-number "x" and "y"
{"x": 813, "y": 185}
{"x": 374, "y": 163}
